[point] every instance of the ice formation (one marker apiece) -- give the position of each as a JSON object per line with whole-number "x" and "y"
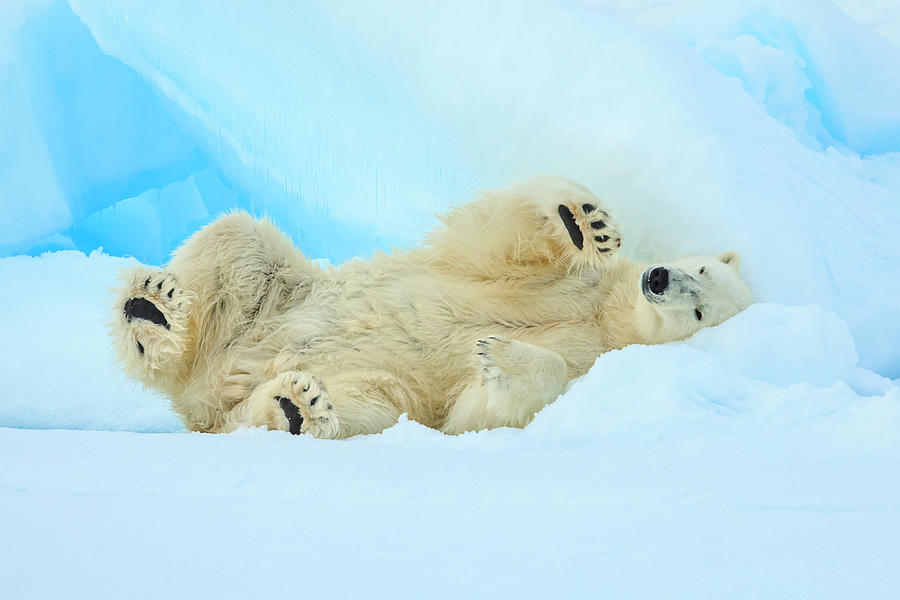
{"x": 746, "y": 127}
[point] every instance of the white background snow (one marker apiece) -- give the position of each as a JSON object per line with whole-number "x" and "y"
{"x": 758, "y": 459}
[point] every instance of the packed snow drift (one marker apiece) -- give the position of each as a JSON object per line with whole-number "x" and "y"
{"x": 760, "y": 458}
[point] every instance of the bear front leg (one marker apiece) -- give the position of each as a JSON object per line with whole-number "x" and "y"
{"x": 293, "y": 401}
{"x": 545, "y": 222}
{"x": 149, "y": 324}
{"x": 514, "y": 380}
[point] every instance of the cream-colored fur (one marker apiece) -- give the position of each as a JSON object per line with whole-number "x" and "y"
{"x": 480, "y": 327}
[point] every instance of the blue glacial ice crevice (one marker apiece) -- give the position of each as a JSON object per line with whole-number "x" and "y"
{"x": 812, "y": 67}
{"x": 94, "y": 155}
{"x": 315, "y": 130}
{"x": 776, "y": 80}
{"x": 86, "y": 134}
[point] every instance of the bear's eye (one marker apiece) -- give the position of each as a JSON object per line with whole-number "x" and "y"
{"x": 698, "y": 314}
{"x": 702, "y": 270}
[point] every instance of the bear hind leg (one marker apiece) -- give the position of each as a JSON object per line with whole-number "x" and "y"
{"x": 514, "y": 381}
{"x": 293, "y": 401}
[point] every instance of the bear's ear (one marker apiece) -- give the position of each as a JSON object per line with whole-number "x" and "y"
{"x": 731, "y": 258}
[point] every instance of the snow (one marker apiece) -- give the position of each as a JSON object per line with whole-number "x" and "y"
{"x": 55, "y": 356}
{"x": 758, "y": 459}
{"x": 696, "y": 469}
{"x": 881, "y": 15}
{"x": 127, "y": 514}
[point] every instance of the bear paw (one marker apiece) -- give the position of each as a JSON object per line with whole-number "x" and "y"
{"x": 493, "y": 353}
{"x": 305, "y": 404}
{"x": 150, "y": 320}
{"x": 157, "y": 298}
{"x": 593, "y": 233}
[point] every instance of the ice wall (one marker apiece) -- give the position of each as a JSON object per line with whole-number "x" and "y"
{"x": 769, "y": 127}
{"x": 321, "y": 135}
{"x": 85, "y": 140}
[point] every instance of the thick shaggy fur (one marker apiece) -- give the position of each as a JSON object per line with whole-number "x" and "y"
{"x": 480, "y": 327}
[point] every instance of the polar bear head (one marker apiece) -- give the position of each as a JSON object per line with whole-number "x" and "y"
{"x": 682, "y": 297}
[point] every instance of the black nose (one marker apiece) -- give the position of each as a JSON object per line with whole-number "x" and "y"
{"x": 658, "y": 280}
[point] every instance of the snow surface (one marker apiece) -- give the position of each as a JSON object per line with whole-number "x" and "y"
{"x": 760, "y": 458}
{"x": 709, "y": 468}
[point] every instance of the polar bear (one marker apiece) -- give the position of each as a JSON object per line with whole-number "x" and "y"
{"x": 513, "y": 296}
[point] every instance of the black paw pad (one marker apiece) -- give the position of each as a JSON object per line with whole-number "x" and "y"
{"x": 290, "y": 410}
{"x": 568, "y": 220}
{"x": 141, "y": 308}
